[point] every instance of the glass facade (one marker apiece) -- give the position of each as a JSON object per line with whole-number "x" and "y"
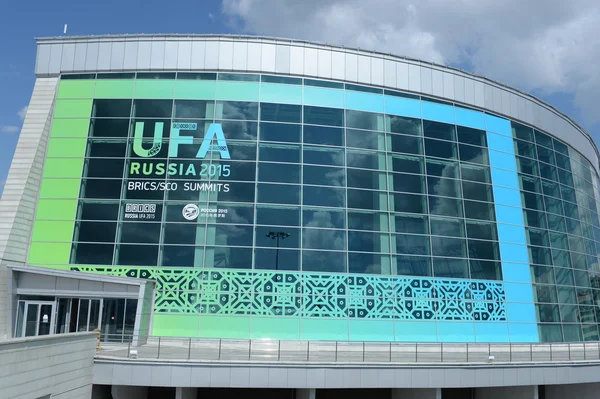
{"x": 277, "y": 207}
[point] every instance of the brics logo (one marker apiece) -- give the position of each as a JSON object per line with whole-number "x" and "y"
{"x": 214, "y": 132}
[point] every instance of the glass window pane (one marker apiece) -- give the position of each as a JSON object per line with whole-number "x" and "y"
{"x": 95, "y": 232}
{"x": 522, "y": 131}
{"x": 112, "y": 109}
{"x": 323, "y": 116}
{"x": 475, "y": 173}
{"x": 282, "y": 132}
{"x": 407, "y": 223}
{"x": 228, "y": 257}
{"x": 324, "y": 176}
{"x": 543, "y": 139}
{"x": 106, "y": 148}
{"x": 450, "y": 268}
{"x": 272, "y": 237}
{"x": 92, "y": 254}
{"x": 440, "y": 149}
{"x": 277, "y": 215}
{"x": 324, "y": 261}
{"x": 180, "y": 256}
{"x": 323, "y": 135}
{"x": 547, "y": 313}
{"x": 469, "y": 153}
{"x": 448, "y": 169}
{"x": 439, "y": 130}
{"x": 411, "y": 244}
{"x": 447, "y": 227}
{"x": 278, "y": 193}
{"x": 137, "y": 255}
{"x": 323, "y": 156}
{"x": 368, "y": 221}
{"x": 407, "y": 163}
{"x": 140, "y": 233}
{"x": 403, "y": 125}
{"x": 365, "y": 159}
{"x": 477, "y": 191}
{"x": 98, "y": 211}
{"x": 361, "y": 241}
{"x": 323, "y": 218}
{"x": 407, "y": 183}
{"x": 279, "y": 152}
{"x": 278, "y": 172}
{"x": 451, "y": 247}
{"x": 483, "y": 250}
{"x": 281, "y": 112}
{"x": 413, "y": 266}
{"x": 179, "y": 233}
{"x": 485, "y": 270}
{"x": 368, "y": 263}
{"x": 445, "y": 206}
{"x": 324, "y": 196}
{"x": 366, "y": 179}
{"x": 479, "y": 210}
{"x": 273, "y": 259}
{"x": 237, "y": 110}
{"x": 443, "y": 187}
{"x": 152, "y": 108}
{"x": 194, "y": 109}
{"x": 109, "y": 128}
{"x": 365, "y": 139}
{"x": 364, "y": 120}
{"x": 364, "y": 199}
{"x": 481, "y": 230}
{"x": 468, "y": 135}
{"x": 405, "y": 144}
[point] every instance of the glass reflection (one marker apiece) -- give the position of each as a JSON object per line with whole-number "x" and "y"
{"x": 324, "y": 261}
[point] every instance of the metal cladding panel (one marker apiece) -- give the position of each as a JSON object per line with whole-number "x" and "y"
{"x": 117, "y": 56}
{"x": 157, "y": 54}
{"x": 225, "y": 55}
{"x": 521, "y": 108}
{"x": 402, "y": 81}
{"x": 131, "y": 55}
{"x": 488, "y": 99}
{"x": 80, "y": 54}
{"x": 351, "y": 67}
{"x": 449, "y": 85}
{"x": 324, "y": 63}
{"x": 479, "y": 91}
{"x": 414, "y": 77}
{"x": 437, "y": 83}
{"x": 240, "y": 56}
{"x": 68, "y": 57}
{"x": 426, "y": 80}
{"x": 459, "y": 88}
{"x": 91, "y": 56}
{"x": 364, "y": 69}
{"x": 505, "y": 102}
{"x": 529, "y": 109}
{"x": 211, "y": 55}
{"x": 268, "y": 55}
{"x": 338, "y": 65}
{"x": 389, "y": 73}
{"x": 254, "y": 56}
{"x": 198, "y": 52}
{"x": 513, "y": 101}
{"x": 497, "y": 99}
{"x": 43, "y": 60}
{"x": 184, "y": 55}
{"x": 296, "y": 60}
{"x": 55, "y": 56}
{"x": 171, "y": 50}
{"x": 104, "y": 51}
{"x": 143, "y": 56}
{"x": 311, "y": 61}
{"x": 377, "y": 73}
{"x": 537, "y": 121}
{"x": 282, "y": 59}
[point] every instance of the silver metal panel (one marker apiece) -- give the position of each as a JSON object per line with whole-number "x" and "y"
{"x": 104, "y": 51}
{"x": 505, "y": 101}
{"x": 131, "y": 55}
{"x": 426, "y": 80}
{"x": 530, "y": 117}
{"x": 389, "y": 73}
{"x": 459, "y": 88}
{"x": 240, "y": 56}
{"x": 184, "y": 55}
{"x": 268, "y": 55}
{"x": 171, "y": 52}
{"x": 43, "y": 59}
{"x": 117, "y": 56}
{"x": 225, "y": 55}
{"x": 402, "y": 76}
{"x": 414, "y": 77}
{"x": 377, "y": 74}
{"x": 254, "y": 56}
{"x": 364, "y": 69}
{"x": 324, "y": 63}
{"x": 521, "y": 108}
{"x": 55, "y": 57}
{"x": 157, "y": 54}
{"x": 488, "y": 92}
{"x": 198, "y": 54}
{"x": 351, "y": 67}
{"x": 80, "y": 52}
{"x": 68, "y": 57}
{"x": 497, "y": 99}
{"x": 449, "y": 85}
{"x": 437, "y": 82}
{"x": 211, "y": 55}
{"x": 296, "y": 60}
{"x": 536, "y": 114}
{"x": 338, "y": 65}
{"x": 143, "y": 56}
{"x": 91, "y": 56}
{"x": 282, "y": 59}
{"x": 479, "y": 91}
{"x": 513, "y": 100}
{"x": 311, "y": 61}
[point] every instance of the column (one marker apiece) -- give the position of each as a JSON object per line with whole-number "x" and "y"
{"x": 186, "y": 393}
{"x": 524, "y": 392}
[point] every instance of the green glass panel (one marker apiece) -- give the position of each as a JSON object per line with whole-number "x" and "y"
{"x": 60, "y": 188}
{"x": 56, "y": 209}
{"x": 154, "y": 88}
{"x": 325, "y": 330}
{"x": 55, "y": 231}
{"x": 277, "y": 93}
{"x": 73, "y": 108}
{"x": 225, "y": 327}
{"x": 195, "y": 89}
{"x": 175, "y": 325}
{"x": 114, "y": 89}
{"x": 70, "y": 127}
{"x": 76, "y": 89}
{"x": 275, "y": 328}
{"x": 237, "y": 91}
{"x": 63, "y": 167}
{"x": 371, "y": 330}
{"x": 415, "y": 331}
{"x": 66, "y": 147}
{"x": 49, "y": 253}
{"x": 323, "y": 97}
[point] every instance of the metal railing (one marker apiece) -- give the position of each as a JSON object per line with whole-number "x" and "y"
{"x": 193, "y": 349}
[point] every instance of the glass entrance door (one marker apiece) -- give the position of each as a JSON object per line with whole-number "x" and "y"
{"x": 38, "y": 317}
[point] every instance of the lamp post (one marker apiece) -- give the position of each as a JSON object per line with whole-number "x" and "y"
{"x": 277, "y": 235}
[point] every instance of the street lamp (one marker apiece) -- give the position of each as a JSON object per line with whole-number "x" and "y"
{"x": 277, "y": 235}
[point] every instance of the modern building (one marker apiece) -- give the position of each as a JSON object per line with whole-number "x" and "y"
{"x": 292, "y": 191}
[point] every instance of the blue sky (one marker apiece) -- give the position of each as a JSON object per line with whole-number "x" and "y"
{"x": 123, "y": 16}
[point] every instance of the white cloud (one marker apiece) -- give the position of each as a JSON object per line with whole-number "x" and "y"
{"x": 22, "y": 112}
{"x": 547, "y": 45}
{"x": 9, "y": 129}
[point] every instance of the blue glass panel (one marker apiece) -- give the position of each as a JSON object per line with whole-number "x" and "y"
{"x": 437, "y": 112}
{"x": 503, "y": 160}
{"x": 456, "y": 332}
{"x": 518, "y": 272}
{"x": 491, "y": 332}
{"x": 469, "y": 118}
{"x": 280, "y": 93}
{"x": 506, "y": 178}
{"x": 402, "y": 107}
{"x": 364, "y": 101}
{"x": 523, "y": 332}
{"x": 324, "y": 329}
{"x": 513, "y": 253}
{"x": 500, "y": 143}
{"x": 506, "y": 196}
{"x": 509, "y": 214}
{"x": 520, "y": 312}
{"x": 410, "y": 331}
{"x": 371, "y": 330}
{"x": 498, "y": 125}
{"x": 516, "y": 292}
{"x": 323, "y": 97}
{"x": 512, "y": 233}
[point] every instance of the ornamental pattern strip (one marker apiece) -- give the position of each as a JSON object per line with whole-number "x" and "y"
{"x": 294, "y": 294}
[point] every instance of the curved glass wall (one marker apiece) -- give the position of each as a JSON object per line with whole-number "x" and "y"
{"x": 338, "y": 211}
